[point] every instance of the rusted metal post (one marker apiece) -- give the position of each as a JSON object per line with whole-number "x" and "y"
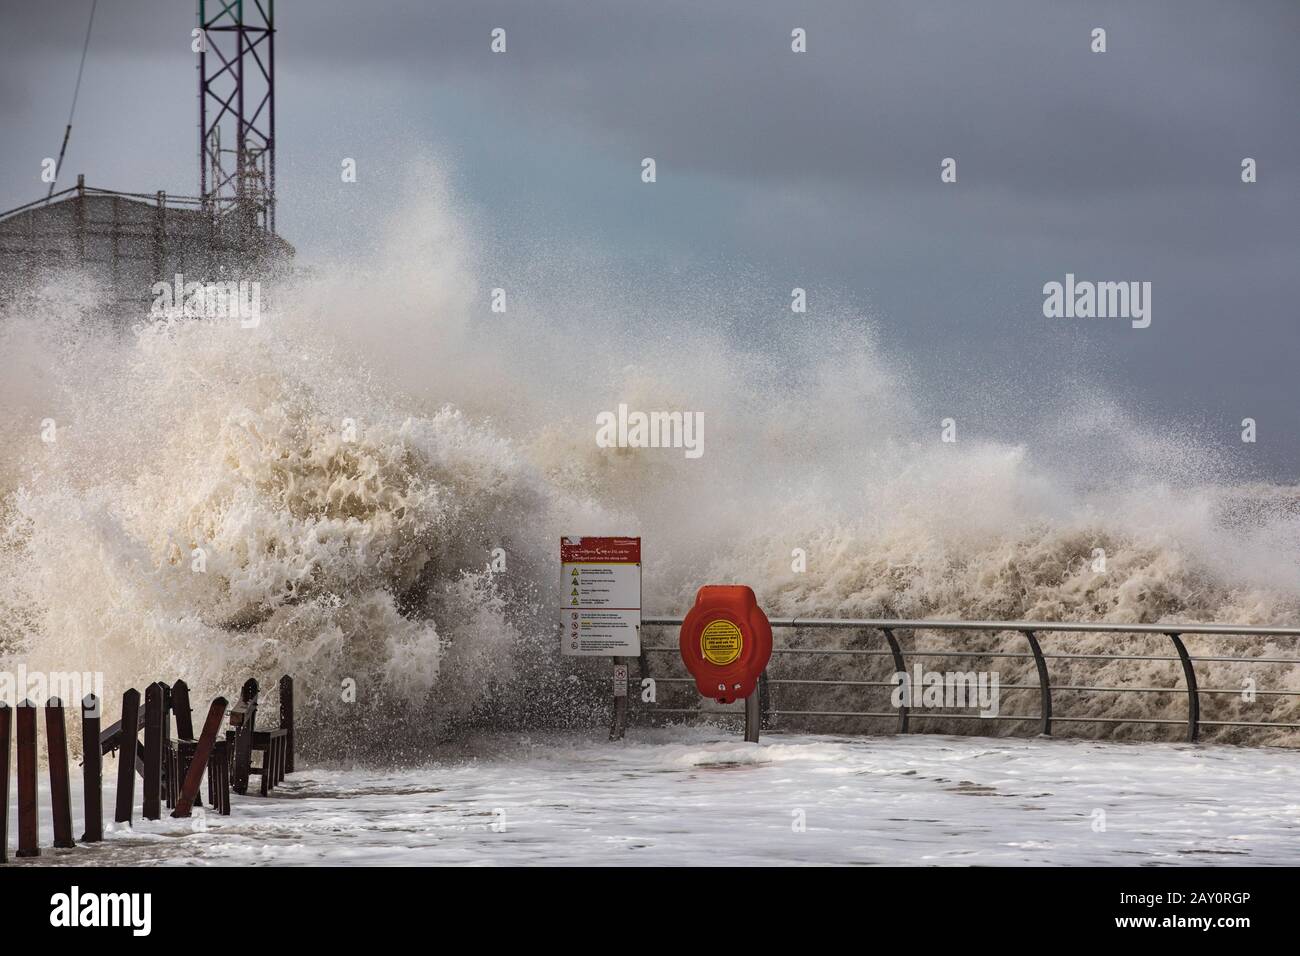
{"x": 128, "y": 743}
{"x": 28, "y": 824}
{"x": 92, "y": 770}
{"x": 286, "y": 719}
{"x": 153, "y": 752}
{"x": 203, "y": 750}
{"x": 6, "y": 719}
{"x": 56, "y": 750}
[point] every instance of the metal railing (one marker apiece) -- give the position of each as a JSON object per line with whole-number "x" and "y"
{"x": 1033, "y": 632}
{"x": 160, "y": 198}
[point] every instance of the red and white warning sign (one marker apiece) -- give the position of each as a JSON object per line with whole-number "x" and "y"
{"x": 601, "y": 586}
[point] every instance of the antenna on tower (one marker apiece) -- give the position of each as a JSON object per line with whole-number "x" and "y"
{"x": 237, "y": 115}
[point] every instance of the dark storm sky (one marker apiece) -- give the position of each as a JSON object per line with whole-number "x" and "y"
{"x": 819, "y": 170}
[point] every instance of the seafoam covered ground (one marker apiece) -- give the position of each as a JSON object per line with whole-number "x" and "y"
{"x": 700, "y": 796}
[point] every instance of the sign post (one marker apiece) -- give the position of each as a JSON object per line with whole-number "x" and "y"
{"x": 600, "y": 584}
{"x": 619, "y": 723}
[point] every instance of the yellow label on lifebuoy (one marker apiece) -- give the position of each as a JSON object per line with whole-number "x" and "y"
{"x": 721, "y": 642}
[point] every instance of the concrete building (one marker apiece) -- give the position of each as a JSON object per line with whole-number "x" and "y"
{"x": 129, "y": 241}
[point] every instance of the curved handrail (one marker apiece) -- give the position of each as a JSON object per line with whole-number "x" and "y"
{"x": 1044, "y": 684}
{"x": 1193, "y": 697}
{"x": 1243, "y": 630}
{"x": 1030, "y": 630}
{"x": 901, "y": 667}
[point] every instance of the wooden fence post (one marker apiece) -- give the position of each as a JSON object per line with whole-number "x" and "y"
{"x": 126, "y": 756}
{"x": 6, "y": 718}
{"x": 56, "y": 750}
{"x": 184, "y": 760}
{"x": 219, "y": 776}
{"x": 28, "y": 825}
{"x": 92, "y": 770}
{"x": 185, "y": 744}
{"x": 169, "y": 785}
{"x": 245, "y": 717}
{"x": 286, "y": 720}
{"x": 183, "y": 711}
{"x": 190, "y": 789}
{"x": 153, "y": 752}
{"x": 212, "y": 776}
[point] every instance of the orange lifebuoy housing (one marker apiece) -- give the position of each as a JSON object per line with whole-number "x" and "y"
{"x": 726, "y": 641}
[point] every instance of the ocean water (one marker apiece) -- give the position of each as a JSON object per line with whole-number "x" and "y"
{"x": 699, "y": 796}
{"x": 323, "y": 494}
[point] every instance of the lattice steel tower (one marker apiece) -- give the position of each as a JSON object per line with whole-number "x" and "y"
{"x": 237, "y": 114}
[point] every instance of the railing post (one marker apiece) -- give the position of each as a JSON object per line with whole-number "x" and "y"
{"x": 92, "y": 770}
{"x": 1044, "y": 684}
{"x": 286, "y": 719}
{"x": 28, "y": 824}
{"x": 56, "y": 751}
{"x": 126, "y": 756}
{"x": 6, "y": 718}
{"x": 153, "y": 752}
{"x": 1193, "y": 694}
{"x": 900, "y": 667}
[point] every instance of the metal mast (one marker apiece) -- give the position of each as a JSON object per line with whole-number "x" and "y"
{"x": 237, "y": 115}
